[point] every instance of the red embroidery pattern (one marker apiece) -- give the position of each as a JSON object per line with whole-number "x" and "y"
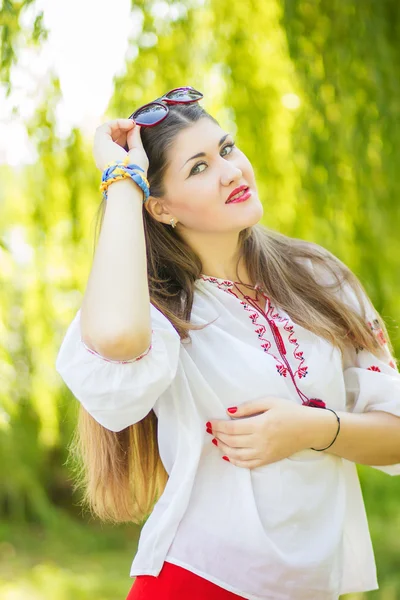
{"x": 260, "y": 328}
{"x": 377, "y": 330}
{"x": 374, "y": 368}
{"x": 218, "y": 281}
{"x": 302, "y": 370}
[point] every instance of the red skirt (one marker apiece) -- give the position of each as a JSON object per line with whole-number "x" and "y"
{"x": 176, "y": 583}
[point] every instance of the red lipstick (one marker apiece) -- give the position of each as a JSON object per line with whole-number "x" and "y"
{"x": 236, "y": 191}
{"x": 243, "y": 196}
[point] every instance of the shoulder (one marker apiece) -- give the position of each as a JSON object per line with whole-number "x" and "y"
{"x": 324, "y": 266}
{"x": 329, "y": 271}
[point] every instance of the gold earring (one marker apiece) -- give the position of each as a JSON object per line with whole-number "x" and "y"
{"x": 172, "y": 221}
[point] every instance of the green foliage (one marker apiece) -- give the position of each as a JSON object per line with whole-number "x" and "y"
{"x": 14, "y": 35}
{"x": 311, "y": 91}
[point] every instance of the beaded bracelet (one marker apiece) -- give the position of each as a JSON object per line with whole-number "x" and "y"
{"x": 337, "y": 433}
{"x": 122, "y": 169}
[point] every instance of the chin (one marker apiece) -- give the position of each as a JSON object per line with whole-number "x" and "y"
{"x": 256, "y": 214}
{"x": 253, "y": 218}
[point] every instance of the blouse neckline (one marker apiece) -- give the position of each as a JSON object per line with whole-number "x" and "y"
{"x": 225, "y": 282}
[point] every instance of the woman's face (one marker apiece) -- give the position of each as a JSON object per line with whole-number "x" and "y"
{"x": 197, "y": 187}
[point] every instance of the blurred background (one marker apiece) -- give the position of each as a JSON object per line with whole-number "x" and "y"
{"x": 311, "y": 90}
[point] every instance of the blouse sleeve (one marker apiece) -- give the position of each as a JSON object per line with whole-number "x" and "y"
{"x": 371, "y": 383}
{"x": 119, "y": 393}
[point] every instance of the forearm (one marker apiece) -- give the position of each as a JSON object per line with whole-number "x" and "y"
{"x": 371, "y": 438}
{"x": 116, "y": 305}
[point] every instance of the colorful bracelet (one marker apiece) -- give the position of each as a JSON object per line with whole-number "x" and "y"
{"x": 337, "y": 433}
{"x": 122, "y": 169}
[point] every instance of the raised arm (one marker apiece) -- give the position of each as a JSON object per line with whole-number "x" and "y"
{"x": 115, "y": 312}
{"x": 120, "y": 353}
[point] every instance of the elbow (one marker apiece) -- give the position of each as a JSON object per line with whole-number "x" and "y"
{"x": 120, "y": 347}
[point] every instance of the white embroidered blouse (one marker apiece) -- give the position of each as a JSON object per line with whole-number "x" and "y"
{"x": 292, "y": 530}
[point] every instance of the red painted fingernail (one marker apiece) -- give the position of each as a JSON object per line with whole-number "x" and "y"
{"x": 232, "y": 409}
{"x": 226, "y": 458}
{"x": 208, "y": 424}
{"x": 209, "y": 430}
{"x": 215, "y": 442}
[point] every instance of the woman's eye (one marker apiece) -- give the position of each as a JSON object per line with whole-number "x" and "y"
{"x": 231, "y": 146}
{"x": 194, "y": 172}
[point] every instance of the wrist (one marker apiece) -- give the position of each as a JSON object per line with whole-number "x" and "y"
{"x": 321, "y": 427}
{"x": 124, "y": 170}
{"x": 124, "y": 187}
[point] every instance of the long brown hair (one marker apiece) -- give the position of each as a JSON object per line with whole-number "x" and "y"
{"x": 121, "y": 473}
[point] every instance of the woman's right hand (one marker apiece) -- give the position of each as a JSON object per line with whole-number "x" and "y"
{"x": 109, "y": 140}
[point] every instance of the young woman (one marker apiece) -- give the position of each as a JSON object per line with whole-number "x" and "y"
{"x": 229, "y": 376}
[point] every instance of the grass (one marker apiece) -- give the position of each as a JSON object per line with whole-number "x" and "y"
{"x": 73, "y": 561}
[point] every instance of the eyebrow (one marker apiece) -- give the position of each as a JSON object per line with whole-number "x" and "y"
{"x": 221, "y": 141}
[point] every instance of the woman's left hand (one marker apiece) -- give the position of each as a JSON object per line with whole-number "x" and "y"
{"x": 282, "y": 428}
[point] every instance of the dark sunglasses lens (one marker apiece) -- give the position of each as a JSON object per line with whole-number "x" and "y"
{"x": 149, "y": 115}
{"x": 183, "y": 95}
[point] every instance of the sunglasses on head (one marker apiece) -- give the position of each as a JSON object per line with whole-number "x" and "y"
{"x": 154, "y": 112}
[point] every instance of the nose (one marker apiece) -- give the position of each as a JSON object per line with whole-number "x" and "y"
{"x": 230, "y": 173}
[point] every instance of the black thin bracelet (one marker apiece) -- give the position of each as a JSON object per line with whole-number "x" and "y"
{"x": 337, "y": 433}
